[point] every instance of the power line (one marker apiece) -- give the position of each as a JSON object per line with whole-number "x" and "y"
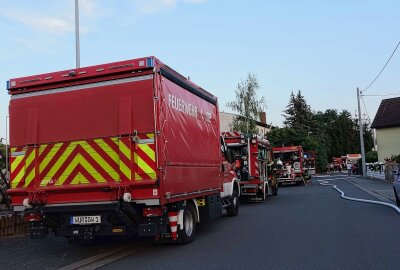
{"x": 382, "y": 68}
{"x": 381, "y": 95}
{"x": 365, "y": 108}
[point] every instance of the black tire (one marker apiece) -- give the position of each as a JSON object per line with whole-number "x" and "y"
{"x": 300, "y": 183}
{"x": 274, "y": 189}
{"x": 233, "y": 209}
{"x": 397, "y": 198}
{"x": 189, "y": 224}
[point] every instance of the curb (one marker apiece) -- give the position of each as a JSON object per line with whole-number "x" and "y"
{"x": 373, "y": 193}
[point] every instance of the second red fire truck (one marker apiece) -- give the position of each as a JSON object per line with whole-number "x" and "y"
{"x": 252, "y": 154}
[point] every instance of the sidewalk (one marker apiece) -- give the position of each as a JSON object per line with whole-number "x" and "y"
{"x": 376, "y": 187}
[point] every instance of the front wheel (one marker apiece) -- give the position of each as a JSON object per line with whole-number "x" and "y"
{"x": 233, "y": 209}
{"x": 189, "y": 224}
{"x": 274, "y": 189}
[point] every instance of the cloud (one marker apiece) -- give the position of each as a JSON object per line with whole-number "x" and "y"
{"x": 61, "y": 20}
{"x": 52, "y": 24}
{"x": 155, "y": 6}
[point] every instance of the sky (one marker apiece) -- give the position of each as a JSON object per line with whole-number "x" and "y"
{"x": 324, "y": 48}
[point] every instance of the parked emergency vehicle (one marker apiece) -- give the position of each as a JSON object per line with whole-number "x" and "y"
{"x": 130, "y": 147}
{"x": 252, "y": 153}
{"x": 290, "y": 164}
{"x": 309, "y": 163}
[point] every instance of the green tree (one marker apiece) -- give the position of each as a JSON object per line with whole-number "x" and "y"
{"x": 298, "y": 114}
{"x": 247, "y": 105}
{"x": 371, "y": 157}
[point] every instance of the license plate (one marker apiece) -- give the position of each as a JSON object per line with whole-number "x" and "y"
{"x": 82, "y": 220}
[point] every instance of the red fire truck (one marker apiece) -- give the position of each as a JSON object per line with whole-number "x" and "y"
{"x": 290, "y": 164}
{"x": 252, "y": 154}
{"x": 130, "y": 147}
{"x": 309, "y": 164}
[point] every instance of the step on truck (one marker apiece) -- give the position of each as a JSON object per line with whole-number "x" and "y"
{"x": 289, "y": 167}
{"x": 252, "y": 155}
{"x": 126, "y": 148}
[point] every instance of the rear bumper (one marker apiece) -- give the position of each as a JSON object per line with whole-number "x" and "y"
{"x": 116, "y": 218}
{"x": 289, "y": 180}
{"x": 83, "y": 194}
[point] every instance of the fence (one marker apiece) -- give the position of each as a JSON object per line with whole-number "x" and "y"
{"x": 12, "y": 224}
{"x": 376, "y": 174}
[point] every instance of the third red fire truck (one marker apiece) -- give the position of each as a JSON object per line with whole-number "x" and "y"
{"x": 290, "y": 164}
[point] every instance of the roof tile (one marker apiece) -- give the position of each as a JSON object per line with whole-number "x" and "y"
{"x": 388, "y": 114}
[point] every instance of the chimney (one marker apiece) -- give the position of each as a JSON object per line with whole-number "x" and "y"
{"x": 263, "y": 117}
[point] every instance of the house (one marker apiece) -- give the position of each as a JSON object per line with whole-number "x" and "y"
{"x": 226, "y": 119}
{"x": 387, "y": 126}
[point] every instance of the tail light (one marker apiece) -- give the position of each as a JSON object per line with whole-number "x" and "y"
{"x": 33, "y": 217}
{"x": 152, "y": 212}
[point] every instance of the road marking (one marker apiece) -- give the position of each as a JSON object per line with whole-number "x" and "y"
{"x": 107, "y": 257}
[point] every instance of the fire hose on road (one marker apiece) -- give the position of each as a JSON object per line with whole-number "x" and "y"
{"x": 327, "y": 183}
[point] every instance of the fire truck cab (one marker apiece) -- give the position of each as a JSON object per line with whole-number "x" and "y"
{"x": 252, "y": 153}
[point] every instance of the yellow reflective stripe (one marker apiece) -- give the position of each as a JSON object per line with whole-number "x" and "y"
{"x": 32, "y": 173}
{"x": 29, "y": 178}
{"x": 17, "y": 160}
{"x": 137, "y": 176}
{"x": 60, "y": 161}
{"x": 125, "y": 150}
{"x": 146, "y": 168}
{"x": 151, "y": 135}
{"x": 18, "y": 178}
{"x": 49, "y": 155}
{"x": 79, "y": 179}
{"x": 88, "y": 167}
{"x": 110, "y": 152}
{"x": 149, "y": 152}
{"x": 125, "y": 170}
{"x": 101, "y": 161}
{"x": 68, "y": 171}
{"x": 30, "y": 158}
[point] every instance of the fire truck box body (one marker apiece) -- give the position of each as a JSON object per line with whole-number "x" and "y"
{"x": 114, "y": 148}
{"x": 292, "y": 162}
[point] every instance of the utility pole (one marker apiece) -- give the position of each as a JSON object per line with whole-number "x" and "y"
{"x": 361, "y": 134}
{"x": 77, "y": 48}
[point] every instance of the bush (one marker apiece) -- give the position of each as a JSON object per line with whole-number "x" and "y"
{"x": 371, "y": 157}
{"x": 396, "y": 158}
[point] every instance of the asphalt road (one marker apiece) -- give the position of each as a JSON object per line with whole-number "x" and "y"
{"x": 302, "y": 228}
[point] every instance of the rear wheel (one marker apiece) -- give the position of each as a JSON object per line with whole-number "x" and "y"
{"x": 189, "y": 224}
{"x": 233, "y": 209}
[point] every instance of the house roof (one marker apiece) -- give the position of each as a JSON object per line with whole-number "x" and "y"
{"x": 388, "y": 114}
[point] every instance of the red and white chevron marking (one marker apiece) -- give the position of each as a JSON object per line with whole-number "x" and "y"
{"x": 231, "y": 134}
{"x": 173, "y": 223}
